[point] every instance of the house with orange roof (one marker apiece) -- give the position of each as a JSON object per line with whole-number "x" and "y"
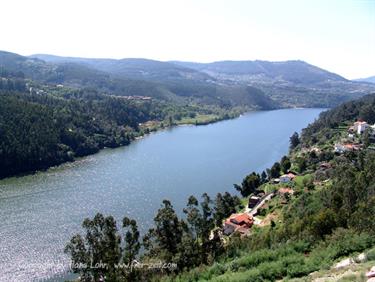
{"x": 238, "y": 223}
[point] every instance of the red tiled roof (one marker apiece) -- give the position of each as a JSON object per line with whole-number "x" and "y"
{"x": 237, "y": 220}
{"x": 244, "y": 217}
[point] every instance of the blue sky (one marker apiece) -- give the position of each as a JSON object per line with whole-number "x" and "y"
{"x": 337, "y": 35}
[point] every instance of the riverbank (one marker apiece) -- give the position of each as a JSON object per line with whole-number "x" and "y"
{"x": 144, "y": 130}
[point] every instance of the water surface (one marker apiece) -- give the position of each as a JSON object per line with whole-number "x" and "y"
{"x": 40, "y": 212}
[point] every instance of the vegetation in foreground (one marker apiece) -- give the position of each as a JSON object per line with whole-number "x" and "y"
{"x": 329, "y": 216}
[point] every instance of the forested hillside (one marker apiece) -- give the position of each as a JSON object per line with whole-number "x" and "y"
{"x": 134, "y": 77}
{"x": 42, "y": 126}
{"x": 326, "y": 214}
{"x": 51, "y": 113}
{"x": 289, "y": 83}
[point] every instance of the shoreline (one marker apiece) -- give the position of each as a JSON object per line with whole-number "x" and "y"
{"x": 145, "y": 134}
{"x": 44, "y": 169}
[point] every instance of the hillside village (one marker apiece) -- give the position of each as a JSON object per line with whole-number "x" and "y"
{"x": 262, "y": 206}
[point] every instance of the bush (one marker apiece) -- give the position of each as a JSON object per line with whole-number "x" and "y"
{"x": 252, "y": 275}
{"x": 370, "y": 255}
{"x": 272, "y": 270}
{"x": 343, "y": 242}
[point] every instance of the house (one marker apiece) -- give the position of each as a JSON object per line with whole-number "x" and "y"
{"x": 284, "y": 190}
{"x": 360, "y": 126}
{"x": 253, "y": 201}
{"x": 287, "y": 177}
{"x": 238, "y": 223}
{"x": 275, "y": 181}
{"x": 285, "y": 194}
{"x": 341, "y": 148}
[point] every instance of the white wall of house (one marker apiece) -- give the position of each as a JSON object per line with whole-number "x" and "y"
{"x": 284, "y": 179}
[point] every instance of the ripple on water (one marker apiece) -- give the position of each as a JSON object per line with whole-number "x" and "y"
{"x": 40, "y": 212}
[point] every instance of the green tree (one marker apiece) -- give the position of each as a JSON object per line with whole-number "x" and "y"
{"x": 366, "y": 138}
{"x": 285, "y": 164}
{"x": 301, "y": 164}
{"x": 207, "y": 224}
{"x": 294, "y": 140}
{"x": 101, "y": 248}
{"x": 225, "y": 205}
{"x": 163, "y": 240}
{"x": 132, "y": 246}
{"x": 323, "y": 223}
{"x": 249, "y": 184}
{"x": 275, "y": 170}
{"x": 263, "y": 177}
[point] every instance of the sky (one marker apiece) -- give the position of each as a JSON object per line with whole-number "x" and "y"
{"x": 337, "y": 35}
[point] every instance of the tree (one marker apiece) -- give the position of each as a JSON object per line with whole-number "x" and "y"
{"x": 225, "y": 205}
{"x": 132, "y": 245}
{"x": 294, "y": 140}
{"x": 301, "y": 164}
{"x": 80, "y": 258}
{"x": 249, "y": 184}
{"x": 101, "y": 248}
{"x": 201, "y": 219}
{"x": 285, "y": 164}
{"x": 163, "y": 240}
{"x": 366, "y": 138}
{"x": 263, "y": 177}
{"x": 275, "y": 170}
{"x": 220, "y": 209}
{"x": 193, "y": 215}
{"x": 207, "y": 224}
{"x": 215, "y": 246}
{"x": 323, "y": 223}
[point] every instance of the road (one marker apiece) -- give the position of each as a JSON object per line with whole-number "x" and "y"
{"x": 254, "y": 210}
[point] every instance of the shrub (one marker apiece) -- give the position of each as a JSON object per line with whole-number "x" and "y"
{"x": 370, "y": 255}
{"x": 272, "y": 270}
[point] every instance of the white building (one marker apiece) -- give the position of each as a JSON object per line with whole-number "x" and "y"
{"x": 287, "y": 178}
{"x": 360, "y": 126}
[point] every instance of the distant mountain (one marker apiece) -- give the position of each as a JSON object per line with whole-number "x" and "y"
{"x": 291, "y": 83}
{"x": 370, "y": 79}
{"x": 135, "y": 77}
{"x": 225, "y": 83}
{"x": 133, "y": 68}
{"x": 292, "y": 71}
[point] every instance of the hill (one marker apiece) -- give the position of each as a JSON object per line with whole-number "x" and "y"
{"x": 133, "y": 68}
{"x": 43, "y": 125}
{"x": 133, "y": 77}
{"x": 290, "y": 83}
{"x": 291, "y": 71}
{"x": 370, "y": 79}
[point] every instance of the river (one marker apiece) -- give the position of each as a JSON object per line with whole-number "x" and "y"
{"x": 40, "y": 212}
